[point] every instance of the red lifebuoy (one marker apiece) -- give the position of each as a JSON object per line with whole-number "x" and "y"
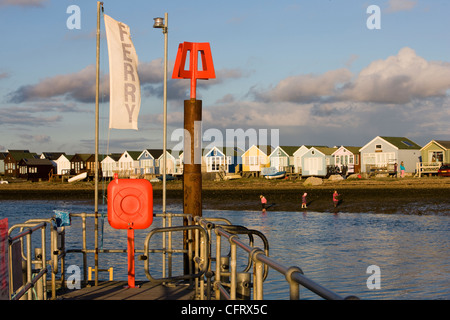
{"x": 130, "y": 204}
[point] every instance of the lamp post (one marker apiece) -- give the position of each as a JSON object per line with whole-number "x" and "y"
{"x": 162, "y": 23}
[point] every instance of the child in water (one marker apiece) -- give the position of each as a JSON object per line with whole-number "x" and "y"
{"x": 304, "y": 200}
{"x": 263, "y": 202}
{"x": 335, "y": 198}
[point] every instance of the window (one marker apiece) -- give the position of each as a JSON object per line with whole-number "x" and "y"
{"x": 409, "y": 144}
{"x": 436, "y": 156}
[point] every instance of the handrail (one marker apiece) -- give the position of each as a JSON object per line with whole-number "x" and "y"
{"x": 294, "y": 275}
{"x": 201, "y": 261}
{"x": 43, "y": 267}
{"x": 226, "y": 284}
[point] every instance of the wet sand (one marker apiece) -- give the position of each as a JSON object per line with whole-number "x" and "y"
{"x": 429, "y": 195}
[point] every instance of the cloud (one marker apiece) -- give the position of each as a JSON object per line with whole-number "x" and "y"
{"x": 306, "y": 88}
{"x": 400, "y": 5}
{"x": 4, "y": 75}
{"x": 33, "y": 114}
{"x": 23, "y": 3}
{"x": 40, "y": 138}
{"x": 79, "y": 86}
{"x": 228, "y": 98}
{"x": 15, "y": 116}
{"x": 399, "y": 79}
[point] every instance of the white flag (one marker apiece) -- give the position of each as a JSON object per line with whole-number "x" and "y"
{"x": 124, "y": 85}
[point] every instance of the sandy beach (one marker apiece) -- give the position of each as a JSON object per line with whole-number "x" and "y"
{"x": 426, "y": 195}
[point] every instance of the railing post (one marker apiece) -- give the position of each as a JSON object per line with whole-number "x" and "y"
{"x": 218, "y": 262}
{"x": 258, "y": 271}
{"x": 39, "y": 265}
{"x": 44, "y": 260}
{"x": 83, "y": 219}
{"x": 243, "y": 285}
{"x": 233, "y": 268}
{"x": 29, "y": 270}
{"x": 294, "y": 287}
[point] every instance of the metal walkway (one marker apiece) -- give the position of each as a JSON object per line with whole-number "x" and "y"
{"x": 117, "y": 290}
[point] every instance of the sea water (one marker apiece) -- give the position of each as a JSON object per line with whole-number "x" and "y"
{"x": 337, "y": 250}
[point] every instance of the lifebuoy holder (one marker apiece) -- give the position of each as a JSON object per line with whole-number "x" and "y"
{"x": 130, "y": 206}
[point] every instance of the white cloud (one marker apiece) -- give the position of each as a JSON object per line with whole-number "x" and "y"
{"x": 307, "y": 88}
{"x": 399, "y": 79}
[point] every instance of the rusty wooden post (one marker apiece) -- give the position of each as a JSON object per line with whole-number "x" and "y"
{"x": 192, "y": 175}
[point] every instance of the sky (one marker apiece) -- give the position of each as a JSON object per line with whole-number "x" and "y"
{"x": 323, "y": 72}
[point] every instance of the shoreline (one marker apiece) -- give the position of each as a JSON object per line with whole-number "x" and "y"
{"x": 421, "y": 196}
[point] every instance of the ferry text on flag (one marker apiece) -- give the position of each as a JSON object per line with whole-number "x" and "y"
{"x": 125, "y": 90}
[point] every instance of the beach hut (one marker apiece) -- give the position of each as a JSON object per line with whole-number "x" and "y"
{"x": 316, "y": 161}
{"x": 235, "y": 154}
{"x": 35, "y": 169}
{"x": 282, "y": 158}
{"x": 147, "y": 160}
{"x": 78, "y": 163}
{"x": 298, "y": 155}
{"x": 347, "y": 159}
{"x": 433, "y": 155}
{"x": 63, "y": 164}
{"x": 256, "y": 158}
{"x": 214, "y": 160}
{"x": 217, "y": 159}
{"x": 12, "y": 161}
{"x": 129, "y": 163}
{"x": 436, "y": 151}
{"x": 110, "y": 165}
{"x": 178, "y": 155}
{"x": 170, "y": 163}
{"x": 2, "y": 162}
{"x": 382, "y": 152}
{"x": 90, "y": 164}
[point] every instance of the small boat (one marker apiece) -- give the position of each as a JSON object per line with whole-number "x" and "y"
{"x": 81, "y": 176}
{"x": 276, "y": 175}
{"x": 168, "y": 177}
{"x": 232, "y": 177}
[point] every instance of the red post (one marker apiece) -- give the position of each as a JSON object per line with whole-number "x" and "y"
{"x": 131, "y": 268}
{"x": 193, "y": 73}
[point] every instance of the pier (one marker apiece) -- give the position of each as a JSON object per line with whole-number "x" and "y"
{"x": 117, "y": 290}
{"x": 213, "y": 255}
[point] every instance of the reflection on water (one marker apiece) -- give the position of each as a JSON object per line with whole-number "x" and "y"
{"x": 334, "y": 250}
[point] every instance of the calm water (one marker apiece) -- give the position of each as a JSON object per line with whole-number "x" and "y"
{"x": 334, "y": 250}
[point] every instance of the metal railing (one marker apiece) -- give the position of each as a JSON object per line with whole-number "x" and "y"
{"x": 31, "y": 281}
{"x": 234, "y": 285}
{"x": 220, "y": 281}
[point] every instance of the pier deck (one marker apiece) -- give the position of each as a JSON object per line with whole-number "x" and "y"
{"x": 117, "y": 290}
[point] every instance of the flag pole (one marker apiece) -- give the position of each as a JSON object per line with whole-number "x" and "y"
{"x": 97, "y": 90}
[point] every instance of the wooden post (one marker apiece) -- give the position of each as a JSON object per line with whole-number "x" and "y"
{"x": 192, "y": 175}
